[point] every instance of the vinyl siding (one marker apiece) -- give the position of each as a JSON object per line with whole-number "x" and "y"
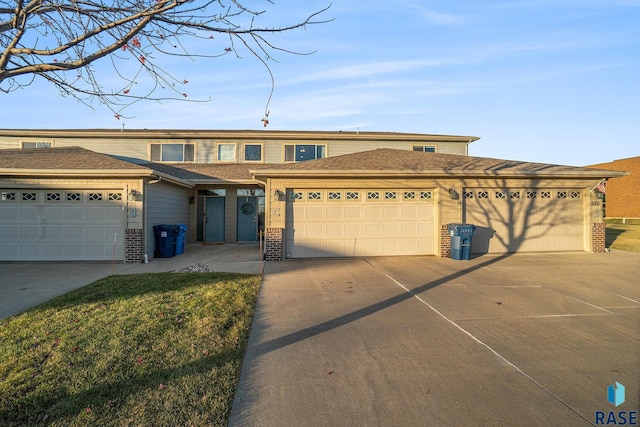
{"x": 165, "y": 204}
{"x": 137, "y": 150}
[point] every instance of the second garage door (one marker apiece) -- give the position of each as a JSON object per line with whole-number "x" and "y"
{"x": 525, "y": 219}
{"x": 359, "y": 222}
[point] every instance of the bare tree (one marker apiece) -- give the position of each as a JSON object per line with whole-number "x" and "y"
{"x": 60, "y": 40}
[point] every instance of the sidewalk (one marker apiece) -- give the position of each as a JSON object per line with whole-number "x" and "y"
{"x": 24, "y": 285}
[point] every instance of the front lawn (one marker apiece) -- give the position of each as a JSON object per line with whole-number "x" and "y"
{"x": 625, "y": 237}
{"x": 149, "y": 349}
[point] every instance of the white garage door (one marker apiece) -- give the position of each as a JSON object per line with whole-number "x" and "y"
{"x": 61, "y": 225}
{"x": 365, "y": 222}
{"x": 525, "y": 219}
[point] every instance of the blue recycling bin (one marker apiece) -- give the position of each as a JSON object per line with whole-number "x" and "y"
{"x": 165, "y": 240}
{"x": 181, "y": 231}
{"x": 461, "y": 239}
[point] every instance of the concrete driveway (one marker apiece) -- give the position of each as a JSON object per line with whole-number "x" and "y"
{"x": 520, "y": 340}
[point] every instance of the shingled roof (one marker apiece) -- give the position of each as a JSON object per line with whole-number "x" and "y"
{"x": 64, "y": 158}
{"x": 207, "y": 172}
{"x": 387, "y": 161}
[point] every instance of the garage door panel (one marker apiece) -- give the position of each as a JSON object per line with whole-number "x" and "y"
{"x": 372, "y": 212}
{"x": 391, "y": 212}
{"x": 352, "y": 213}
{"x": 53, "y": 213}
{"x": 54, "y": 233}
{"x": 77, "y": 233}
{"x": 358, "y": 227}
{"x": 29, "y": 214}
{"x": 10, "y": 213}
{"x": 30, "y": 233}
{"x": 113, "y": 214}
{"x": 95, "y": 214}
{"x": 61, "y": 229}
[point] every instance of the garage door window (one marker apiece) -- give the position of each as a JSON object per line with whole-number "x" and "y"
{"x": 29, "y": 197}
{"x": 315, "y": 195}
{"x": 115, "y": 196}
{"x": 7, "y": 197}
{"x": 373, "y": 195}
{"x": 390, "y": 195}
{"x": 335, "y": 195}
{"x": 54, "y": 197}
{"x": 424, "y": 195}
{"x": 95, "y": 197}
{"x": 74, "y": 197}
{"x": 562, "y": 194}
{"x": 353, "y": 195}
{"x": 575, "y": 194}
{"x": 531, "y": 194}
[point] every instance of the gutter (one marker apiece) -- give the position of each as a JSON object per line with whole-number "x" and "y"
{"x": 438, "y": 174}
{"x": 97, "y": 173}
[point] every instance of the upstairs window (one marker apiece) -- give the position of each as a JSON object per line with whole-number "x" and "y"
{"x": 252, "y": 152}
{"x": 172, "y": 152}
{"x": 425, "y": 148}
{"x": 302, "y": 152}
{"x": 226, "y": 152}
{"x": 36, "y": 145}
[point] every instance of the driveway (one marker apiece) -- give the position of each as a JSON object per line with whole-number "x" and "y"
{"x": 518, "y": 340}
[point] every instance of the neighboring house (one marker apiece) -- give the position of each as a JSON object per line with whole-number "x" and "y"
{"x": 96, "y": 194}
{"x": 623, "y": 193}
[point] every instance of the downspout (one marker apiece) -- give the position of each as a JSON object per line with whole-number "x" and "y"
{"x": 145, "y": 209}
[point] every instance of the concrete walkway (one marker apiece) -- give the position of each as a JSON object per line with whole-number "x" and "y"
{"x": 526, "y": 340}
{"x": 24, "y": 285}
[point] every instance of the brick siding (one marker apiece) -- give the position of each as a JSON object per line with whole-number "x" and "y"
{"x": 273, "y": 244}
{"x": 133, "y": 246}
{"x": 597, "y": 238}
{"x": 445, "y": 241}
{"x": 623, "y": 193}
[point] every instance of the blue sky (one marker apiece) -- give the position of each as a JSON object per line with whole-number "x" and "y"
{"x": 552, "y": 81}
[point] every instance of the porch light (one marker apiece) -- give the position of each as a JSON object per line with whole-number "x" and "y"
{"x": 279, "y": 195}
{"x": 132, "y": 195}
{"x": 453, "y": 194}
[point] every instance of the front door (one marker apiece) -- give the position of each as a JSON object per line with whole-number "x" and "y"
{"x": 214, "y": 219}
{"x": 247, "y": 219}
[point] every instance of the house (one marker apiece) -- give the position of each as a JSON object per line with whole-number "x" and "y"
{"x": 623, "y": 193}
{"x": 96, "y": 194}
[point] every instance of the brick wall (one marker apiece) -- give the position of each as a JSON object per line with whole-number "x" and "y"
{"x": 597, "y": 237}
{"x": 623, "y": 194}
{"x": 133, "y": 247}
{"x": 445, "y": 241}
{"x": 273, "y": 244}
